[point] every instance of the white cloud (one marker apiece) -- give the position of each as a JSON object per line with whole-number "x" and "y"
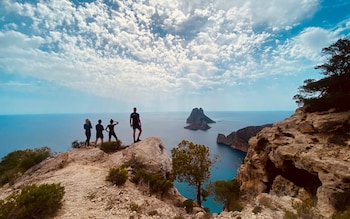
{"x": 158, "y": 47}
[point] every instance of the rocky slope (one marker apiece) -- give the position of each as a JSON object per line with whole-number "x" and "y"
{"x": 303, "y": 159}
{"x": 83, "y": 174}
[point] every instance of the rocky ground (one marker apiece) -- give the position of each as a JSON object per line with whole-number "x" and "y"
{"x": 83, "y": 173}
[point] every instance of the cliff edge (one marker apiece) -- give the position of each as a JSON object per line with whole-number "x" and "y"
{"x": 305, "y": 158}
{"x": 82, "y": 172}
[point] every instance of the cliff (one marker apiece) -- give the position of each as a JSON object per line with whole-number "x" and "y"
{"x": 239, "y": 140}
{"x": 82, "y": 172}
{"x": 198, "y": 120}
{"x": 303, "y": 159}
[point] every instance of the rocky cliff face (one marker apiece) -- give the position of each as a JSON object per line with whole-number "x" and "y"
{"x": 198, "y": 120}
{"x": 239, "y": 139}
{"x": 305, "y": 157}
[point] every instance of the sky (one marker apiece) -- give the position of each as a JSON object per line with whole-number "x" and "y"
{"x": 85, "y": 56}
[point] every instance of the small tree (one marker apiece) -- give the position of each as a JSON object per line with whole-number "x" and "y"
{"x": 227, "y": 192}
{"x": 191, "y": 164}
{"x": 332, "y": 91}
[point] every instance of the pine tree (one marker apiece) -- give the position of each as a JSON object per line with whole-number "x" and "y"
{"x": 191, "y": 164}
{"x": 332, "y": 91}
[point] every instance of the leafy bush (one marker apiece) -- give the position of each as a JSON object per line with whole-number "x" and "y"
{"x": 156, "y": 182}
{"x": 118, "y": 176}
{"x": 17, "y": 162}
{"x": 188, "y": 205}
{"x": 135, "y": 164}
{"x": 139, "y": 175}
{"x": 159, "y": 184}
{"x": 110, "y": 147}
{"x": 228, "y": 192}
{"x": 77, "y": 144}
{"x": 33, "y": 202}
{"x": 135, "y": 207}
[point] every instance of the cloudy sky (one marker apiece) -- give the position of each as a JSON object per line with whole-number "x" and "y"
{"x": 62, "y": 56}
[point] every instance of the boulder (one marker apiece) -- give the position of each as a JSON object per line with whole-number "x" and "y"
{"x": 151, "y": 154}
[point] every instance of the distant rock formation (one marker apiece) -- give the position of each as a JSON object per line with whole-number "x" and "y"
{"x": 198, "y": 120}
{"x": 239, "y": 139}
{"x": 305, "y": 158}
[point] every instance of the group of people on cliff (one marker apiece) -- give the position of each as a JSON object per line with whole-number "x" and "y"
{"x": 135, "y": 123}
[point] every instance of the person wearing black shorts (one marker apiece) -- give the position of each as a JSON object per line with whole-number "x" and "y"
{"x": 110, "y": 130}
{"x": 135, "y": 123}
{"x": 99, "y": 132}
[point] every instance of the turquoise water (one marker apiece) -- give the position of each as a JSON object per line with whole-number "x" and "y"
{"x": 58, "y": 131}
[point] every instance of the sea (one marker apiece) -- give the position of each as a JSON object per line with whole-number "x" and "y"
{"x": 58, "y": 131}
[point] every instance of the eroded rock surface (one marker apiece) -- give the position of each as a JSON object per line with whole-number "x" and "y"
{"x": 306, "y": 155}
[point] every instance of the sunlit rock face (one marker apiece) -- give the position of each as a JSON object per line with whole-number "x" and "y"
{"x": 198, "y": 120}
{"x": 306, "y": 155}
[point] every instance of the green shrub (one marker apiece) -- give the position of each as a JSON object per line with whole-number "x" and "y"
{"x": 17, "y": 162}
{"x": 139, "y": 175}
{"x": 157, "y": 183}
{"x": 135, "y": 164}
{"x": 227, "y": 192}
{"x": 135, "y": 207}
{"x": 33, "y": 202}
{"x": 110, "y": 147}
{"x": 118, "y": 176}
{"x": 78, "y": 144}
{"x": 188, "y": 205}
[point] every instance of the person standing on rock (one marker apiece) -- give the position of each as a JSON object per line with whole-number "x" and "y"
{"x": 99, "y": 132}
{"x": 87, "y": 127}
{"x": 135, "y": 123}
{"x": 110, "y": 130}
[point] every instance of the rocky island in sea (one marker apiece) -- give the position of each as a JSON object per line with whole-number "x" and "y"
{"x": 198, "y": 120}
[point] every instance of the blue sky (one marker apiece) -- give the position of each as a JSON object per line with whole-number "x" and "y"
{"x": 74, "y": 56}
